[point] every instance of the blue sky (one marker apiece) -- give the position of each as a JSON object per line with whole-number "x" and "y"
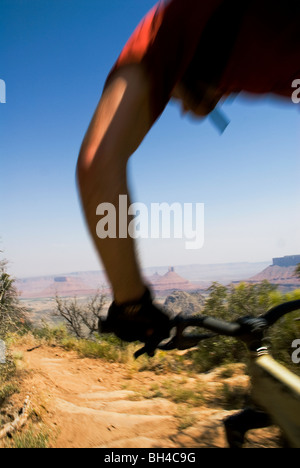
{"x": 54, "y": 58}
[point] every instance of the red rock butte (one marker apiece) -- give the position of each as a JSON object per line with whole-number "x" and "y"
{"x": 171, "y": 280}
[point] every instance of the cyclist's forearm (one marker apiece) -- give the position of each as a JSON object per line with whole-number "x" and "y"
{"x": 117, "y": 254}
{"x": 118, "y": 126}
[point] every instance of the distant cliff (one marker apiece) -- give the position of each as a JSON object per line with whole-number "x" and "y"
{"x": 281, "y": 273}
{"x": 287, "y": 261}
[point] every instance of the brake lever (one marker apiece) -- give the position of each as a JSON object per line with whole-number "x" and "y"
{"x": 147, "y": 349}
{"x": 185, "y": 342}
{"x": 178, "y": 341}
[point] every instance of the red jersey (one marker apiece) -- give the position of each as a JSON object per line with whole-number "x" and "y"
{"x": 250, "y": 45}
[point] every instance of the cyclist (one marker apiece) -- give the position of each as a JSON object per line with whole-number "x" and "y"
{"x": 197, "y": 52}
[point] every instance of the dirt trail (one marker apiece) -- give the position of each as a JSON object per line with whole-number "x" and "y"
{"x": 86, "y": 406}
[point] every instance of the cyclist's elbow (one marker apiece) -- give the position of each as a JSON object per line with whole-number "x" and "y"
{"x": 121, "y": 121}
{"x": 84, "y": 165}
{"x": 84, "y": 168}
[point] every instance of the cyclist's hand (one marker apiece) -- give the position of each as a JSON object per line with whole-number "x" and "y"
{"x": 139, "y": 321}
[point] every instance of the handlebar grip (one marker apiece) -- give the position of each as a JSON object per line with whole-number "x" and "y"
{"x": 221, "y": 327}
{"x": 209, "y": 323}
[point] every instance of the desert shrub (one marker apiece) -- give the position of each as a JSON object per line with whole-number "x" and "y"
{"x": 30, "y": 438}
{"x": 12, "y": 314}
{"x": 51, "y": 334}
{"x": 12, "y": 319}
{"x": 285, "y": 331}
{"x": 246, "y": 300}
{"x": 81, "y": 319}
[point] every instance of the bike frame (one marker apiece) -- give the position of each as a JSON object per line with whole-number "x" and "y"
{"x": 277, "y": 391}
{"x": 274, "y": 388}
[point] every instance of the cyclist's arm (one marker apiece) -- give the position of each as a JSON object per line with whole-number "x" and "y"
{"x": 121, "y": 121}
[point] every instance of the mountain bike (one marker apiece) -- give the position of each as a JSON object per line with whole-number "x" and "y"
{"x": 275, "y": 391}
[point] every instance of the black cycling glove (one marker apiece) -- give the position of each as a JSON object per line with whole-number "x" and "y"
{"x": 137, "y": 321}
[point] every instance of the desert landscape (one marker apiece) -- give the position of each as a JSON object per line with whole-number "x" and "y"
{"x": 94, "y": 394}
{"x": 38, "y": 294}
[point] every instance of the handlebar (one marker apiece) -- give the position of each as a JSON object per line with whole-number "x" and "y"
{"x": 279, "y": 311}
{"x": 216, "y": 325}
{"x": 248, "y": 329}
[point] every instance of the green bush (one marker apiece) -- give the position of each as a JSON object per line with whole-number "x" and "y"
{"x": 51, "y": 334}
{"x": 284, "y": 332}
{"x": 31, "y": 438}
{"x": 12, "y": 319}
{"x": 246, "y": 300}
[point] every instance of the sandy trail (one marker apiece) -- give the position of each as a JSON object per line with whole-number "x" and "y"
{"x": 86, "y": 405}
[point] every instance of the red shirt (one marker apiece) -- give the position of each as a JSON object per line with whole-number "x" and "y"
{"x": 249, "y": 45}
